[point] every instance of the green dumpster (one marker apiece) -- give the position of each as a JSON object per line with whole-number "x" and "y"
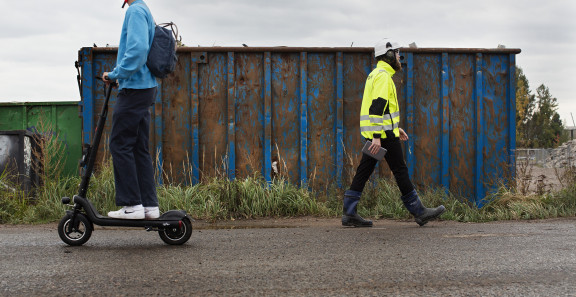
{"x": 57, "y": 120}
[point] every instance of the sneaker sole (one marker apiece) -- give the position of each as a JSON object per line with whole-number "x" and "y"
{"x": 125, "y": 217}
{"x": 129, "y": 218}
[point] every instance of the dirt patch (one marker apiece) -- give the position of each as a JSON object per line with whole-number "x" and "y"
{"x": 296, "y": 222}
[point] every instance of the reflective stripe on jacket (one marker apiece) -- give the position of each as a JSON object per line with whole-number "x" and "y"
{"x": 380, "y": 111}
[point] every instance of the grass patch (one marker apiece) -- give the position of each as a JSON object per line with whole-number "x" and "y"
{"x": 241, "y": 198}
{"x": 252, "y": 197}
{"x": 218, "y": 198}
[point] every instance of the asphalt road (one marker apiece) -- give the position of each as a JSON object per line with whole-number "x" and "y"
{"x": 297, "y": 257}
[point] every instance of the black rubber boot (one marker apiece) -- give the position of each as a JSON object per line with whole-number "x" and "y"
{"x": 349, "y": 215}
{"x": 422, "y": 215}
{"x": 355, "y": 221}
{"x": 429, "y": 214}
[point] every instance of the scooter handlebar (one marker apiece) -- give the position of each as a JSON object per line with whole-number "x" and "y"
{"x": 113, "y": 83}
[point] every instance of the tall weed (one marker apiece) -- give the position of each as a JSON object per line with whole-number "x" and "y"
{"x": 218, "y": 198}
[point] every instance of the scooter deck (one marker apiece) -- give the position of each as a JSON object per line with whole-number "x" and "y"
{"x": 170, "y": 218}
{"x": 102, "y": 217}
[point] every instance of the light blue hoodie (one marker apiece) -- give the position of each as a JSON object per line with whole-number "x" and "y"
{"x": 135, "y": 40}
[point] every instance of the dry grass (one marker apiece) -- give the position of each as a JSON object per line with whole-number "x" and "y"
{"x": 216, "y": 197}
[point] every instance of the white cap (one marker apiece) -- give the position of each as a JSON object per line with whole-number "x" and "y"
{"x": 384, "y": 46}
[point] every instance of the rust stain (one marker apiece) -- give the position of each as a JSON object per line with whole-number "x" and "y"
{"x": 495, "y": 114}
{"x": 427, "y": 98}
{"x": 249, "y": 117}
{"x": 212, "y": 116}
{"x": 462, "y": 133}
{"x": 101, "y": 65}
{"x": 356, "y": 69}
{"x": 176, "y": 120}
{"x": 322, "y": 119}
{"x": 285, "y": 115}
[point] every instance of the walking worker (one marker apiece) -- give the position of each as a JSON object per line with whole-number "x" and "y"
{"x": 379, "y": 120}
{"x": 129, "y": 139}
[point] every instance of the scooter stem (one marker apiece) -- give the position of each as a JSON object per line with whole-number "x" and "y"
{"x": 93, "y": 149}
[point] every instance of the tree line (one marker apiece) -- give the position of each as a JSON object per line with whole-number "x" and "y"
{"x": 538, "y": 125}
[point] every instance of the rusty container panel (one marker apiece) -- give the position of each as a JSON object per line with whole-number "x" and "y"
{"x": 496, "y": 130}
{"x": 176, "y": 109}
{"x": 461, "y": 106}
{"x": 356, "y": 67}
{"x": 427, "y": 119}
{"x": 212, "y": 116}
{"x": 294, "y": 113}
{"x": 462, "y": 125}
{"x": 93, "y": 95}
{"x": 322, "y": 115}
{"x": 249, "y": 120}
{"x": 285, "y": 107}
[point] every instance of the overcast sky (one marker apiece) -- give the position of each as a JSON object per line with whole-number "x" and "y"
{"x": 40, "y": 39}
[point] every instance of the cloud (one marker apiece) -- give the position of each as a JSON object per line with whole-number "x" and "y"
{"x": 42, "y": 38}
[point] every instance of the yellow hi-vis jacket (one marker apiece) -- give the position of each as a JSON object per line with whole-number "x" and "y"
{"x": 380, "y": 112}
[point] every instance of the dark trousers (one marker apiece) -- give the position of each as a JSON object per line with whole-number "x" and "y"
{"x": 129, "y": 140}
{"x": 395, "y": 159}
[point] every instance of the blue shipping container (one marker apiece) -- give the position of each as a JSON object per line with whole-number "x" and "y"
{"x": 294, "y": 112}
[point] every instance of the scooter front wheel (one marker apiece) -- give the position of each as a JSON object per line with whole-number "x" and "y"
{"x": 177, "y": 236}
{"x": 75, "y": 235}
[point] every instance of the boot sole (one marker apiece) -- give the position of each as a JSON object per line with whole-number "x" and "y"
{"x": 355, "y": 225}
{"x": 424, "y": 222}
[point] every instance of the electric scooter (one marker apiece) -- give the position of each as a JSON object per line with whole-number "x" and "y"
{"x": 75, "y": 228}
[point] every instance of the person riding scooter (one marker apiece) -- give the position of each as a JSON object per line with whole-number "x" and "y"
{"x": 129, "y": 139}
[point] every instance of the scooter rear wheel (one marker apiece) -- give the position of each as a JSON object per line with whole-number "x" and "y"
{"x": 177, "y": 236}
{"x": 75, "y": 235}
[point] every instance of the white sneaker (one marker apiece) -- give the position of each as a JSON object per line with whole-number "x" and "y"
{"x": 152, "y": 212}
{"x": 135, "y": 212}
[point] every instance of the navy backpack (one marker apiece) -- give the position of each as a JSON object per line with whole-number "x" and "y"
{"x": 162, "y": 56}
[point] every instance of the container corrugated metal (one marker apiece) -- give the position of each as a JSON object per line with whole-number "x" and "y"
{"x": 60, "y": 119}
{"x": 295, "y": 112}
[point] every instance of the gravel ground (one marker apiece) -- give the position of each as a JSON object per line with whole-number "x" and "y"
{"x": 297, "y": 257}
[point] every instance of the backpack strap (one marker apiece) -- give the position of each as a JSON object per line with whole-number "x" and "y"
{"x": 173, "y": 28}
